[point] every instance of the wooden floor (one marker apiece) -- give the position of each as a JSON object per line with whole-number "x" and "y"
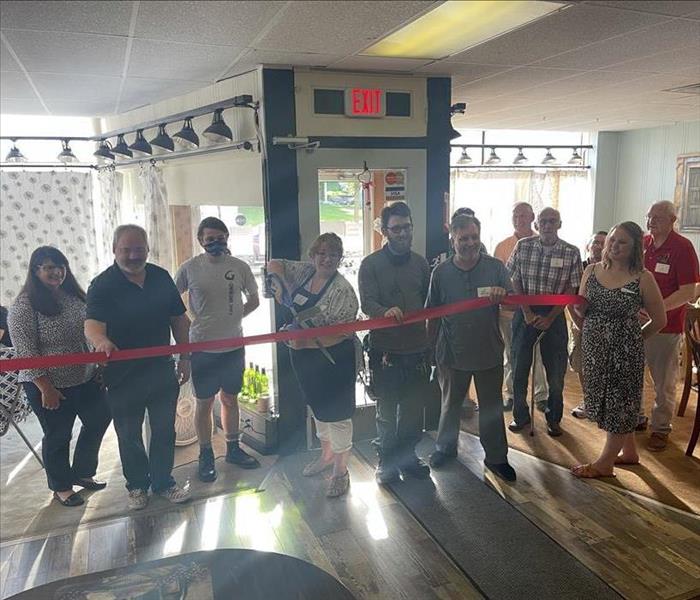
{"x": 373, "y": 545}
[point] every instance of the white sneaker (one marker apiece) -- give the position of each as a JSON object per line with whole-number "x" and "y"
{"x": 175, "y": 494}
{"x": 138, "y": 499}
{"x": 579, "y": 412}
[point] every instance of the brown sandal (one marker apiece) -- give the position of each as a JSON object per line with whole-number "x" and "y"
{"x": 588, "y": 471}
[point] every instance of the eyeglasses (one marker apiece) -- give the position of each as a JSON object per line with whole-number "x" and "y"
{"x": 397, "y": 229}
{"x": 51, "y": 268}
{"x": 332, "y": 256}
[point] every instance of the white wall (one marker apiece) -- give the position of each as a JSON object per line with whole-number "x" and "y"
{"x": 646, "y": 169}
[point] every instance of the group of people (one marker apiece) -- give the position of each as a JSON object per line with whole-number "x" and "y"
{"x": 635, "y": 288}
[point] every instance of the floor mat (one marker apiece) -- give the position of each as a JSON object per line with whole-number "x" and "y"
{"x": 504, "y": 554}
{"x": 27, "y": 508}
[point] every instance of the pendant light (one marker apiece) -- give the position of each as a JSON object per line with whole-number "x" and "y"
{"x": 576, "y": 158}
{"x": 187, "y": 137}
{"x": 122, "y": 149}
{"x": 66, "y": 155}
{"x": 464, "y": 158}
{"x": 14, "y": 155}
{"x": 163, "y": 141}
{"x": 520, "y": 159}
{"x": 141, "y": 147}
{"x": 549, "y": 158}
{"x": 104, "y": 152}
{"x": 218, "y": 132}
{"x": 493, "y": 158}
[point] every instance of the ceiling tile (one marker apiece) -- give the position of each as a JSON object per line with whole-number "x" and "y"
{"x": 674, "y": 8}
{"x": 253, "y": 58}
{"x": 344, "y": 27}
{"x": 11, "y": 106}
{"x": 170, "y": 60}
{"x": 84, "y": 108}
{"x": 678, "y": 33}
{"x": 55, "y": 52}
{"x": 663, "y": 62}
{"x": 561, "y": 31}
{"x": 74, "y": 88}
{"x": 79, "y": 17}
{"x": 15, "y": 85}
{"x": 461, "y": 72}
{"x": 512, "y": 81}
{"x": 139, "y": 92}
{"x": 7, "y": 62}
{"x": 216, "y": 23}
{"x": 377, "y": 63}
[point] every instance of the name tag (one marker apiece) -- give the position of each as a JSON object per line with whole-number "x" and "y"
{"x": 483, "y": 292}
{"x": 628, "y": 291}
{"x": 300, "y": 300}
{"x": 557, "y": 263}
{"x": 662, "y": 268}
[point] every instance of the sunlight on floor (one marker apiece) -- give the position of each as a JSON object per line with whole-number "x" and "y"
{"x": 173, "y": 545}
{"x": 255, "y": 527}
{"x": 20, "y": 465}
{"x": 366, "y": 493}
{"x": 210, "y": 528}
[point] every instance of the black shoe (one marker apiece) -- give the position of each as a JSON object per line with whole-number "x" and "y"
{"x": 415, "y": 467}
{"x": 386, "y": 472}
{"x": 90, "y": 484}
{"x": 206, "y": 470}
{"x": 502, "y": 470}
{"x": 72, "y": 500}
{"x": 508, "y": 406}
{"x": 554, "y": 430}
{"x": 515, "y": 426}
{"x": 237, "y": 456}
{"x": 439, "y": 458}
{"x": 643, "y": 424}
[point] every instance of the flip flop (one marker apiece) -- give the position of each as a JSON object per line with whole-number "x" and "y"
{"x": 588, "y": 471}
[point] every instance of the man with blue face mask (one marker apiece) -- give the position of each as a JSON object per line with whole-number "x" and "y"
{"x": 217, "y": 283}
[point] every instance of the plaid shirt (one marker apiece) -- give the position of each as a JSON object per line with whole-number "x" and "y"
{"x": 542, "y": 269}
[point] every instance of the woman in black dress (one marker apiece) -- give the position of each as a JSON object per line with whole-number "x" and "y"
{"x": 617, "y": 289}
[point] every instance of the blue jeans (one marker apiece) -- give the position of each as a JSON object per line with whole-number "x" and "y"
{"x": 553, "y": 348}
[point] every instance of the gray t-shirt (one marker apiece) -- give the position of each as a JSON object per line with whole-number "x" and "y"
{"x": 469, "y": 341}
{"x": 216, "y": 289}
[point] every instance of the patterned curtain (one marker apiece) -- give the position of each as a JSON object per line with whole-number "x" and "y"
{"x": 41, "y": 208}
{"x": 111, "y": 186}
{"x": 158, "y": 221}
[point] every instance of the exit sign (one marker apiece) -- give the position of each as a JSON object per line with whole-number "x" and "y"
{"x": 364, "y": 102}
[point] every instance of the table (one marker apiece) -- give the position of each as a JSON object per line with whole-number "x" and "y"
{"x": 215, "y": 575}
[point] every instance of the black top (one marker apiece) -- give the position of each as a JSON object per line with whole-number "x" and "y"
{"x": 5, "y": 339}
{"x": 136, "y": 317}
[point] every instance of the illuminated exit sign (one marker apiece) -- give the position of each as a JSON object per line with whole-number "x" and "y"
{"x": 364, "y": 102}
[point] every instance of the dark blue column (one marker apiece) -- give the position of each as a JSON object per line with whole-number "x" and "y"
{"x": 281, "y": 197}
{"x": 437, "y": 165}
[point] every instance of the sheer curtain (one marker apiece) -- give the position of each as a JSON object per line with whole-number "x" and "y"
{"x": 111, "y": 187}
{"x": 492, "y": 194}
{"x": 157, "y": 213}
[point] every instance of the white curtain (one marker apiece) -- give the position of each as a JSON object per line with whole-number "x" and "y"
{"x": 40, "y": 208}
{"x": 111, "y": 186}
{"x": 492, "y": 194}
{"x": 157, "y": 213}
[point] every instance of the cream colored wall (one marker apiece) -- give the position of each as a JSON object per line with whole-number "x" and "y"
{"x": 339, "y": 125}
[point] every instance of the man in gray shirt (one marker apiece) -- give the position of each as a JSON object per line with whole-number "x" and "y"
{"x": 392, "y": 281}
{"x": 217, "y": 282}
{"x": 469, "y": 344}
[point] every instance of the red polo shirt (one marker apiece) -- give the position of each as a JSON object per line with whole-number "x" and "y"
{"x": 673, "y": 264}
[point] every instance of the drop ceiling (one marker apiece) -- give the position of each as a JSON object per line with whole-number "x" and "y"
{"x": 590, "y": 66}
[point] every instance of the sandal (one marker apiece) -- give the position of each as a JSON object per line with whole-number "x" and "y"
{"x": 74, "y": 499}
{"x": 620, "y": 461}
{"x": 588, "y": 471}
{"x": 316, "y": 467}
{"x": 338, "y": 485}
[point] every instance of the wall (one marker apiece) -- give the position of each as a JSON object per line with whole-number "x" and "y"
{"x": 646, "y": 169}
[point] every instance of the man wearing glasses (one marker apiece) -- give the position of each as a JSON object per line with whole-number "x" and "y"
{"x": 542, "y": 264}
{"x": 393, "y": 281}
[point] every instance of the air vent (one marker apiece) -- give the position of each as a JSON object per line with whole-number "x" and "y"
{"x": 693, "y": 88}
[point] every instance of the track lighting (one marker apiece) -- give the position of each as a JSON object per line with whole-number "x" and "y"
{"x": 14, "y": 155}
{"x": 163, "y": 141}
{"x": 141, "y": 147}
{"x": 520, "y": 159}
{"x": 104, "y": 152}
{"x": 122, "y": 148}
{"x": 187, "y": 137}
{"x": 218, "y": 132}
{"x": 66, "y": 155}
{"x": 464, "y": 158}
{"x": 493, "y": 158}
{"x": 576, "y": 158}
{"x": 549, "y": 158}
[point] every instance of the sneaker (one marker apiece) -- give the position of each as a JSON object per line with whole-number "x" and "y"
{"x": 416, "y": 467}
{"x": 579, "y": 412}
{"x": 138, "y": 499}
{"x": 175, "y": 494}
{"x": 554, "y": 430}
{"x": 206, "y": 470}
{"x": 502, "y": 470}
{"x": 439, "y": 458}
{"x": 515, "y": 426}
{"x": 657, "y": 441}
{"x": 642, "y": 423}
{"x": 237, "y": 456}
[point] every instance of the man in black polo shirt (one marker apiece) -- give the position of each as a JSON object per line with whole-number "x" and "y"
{"x": 135, "y": 304}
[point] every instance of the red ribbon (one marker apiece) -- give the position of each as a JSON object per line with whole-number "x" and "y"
{"x": 82, "y": 358}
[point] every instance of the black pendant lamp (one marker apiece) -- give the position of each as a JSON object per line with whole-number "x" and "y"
{"x": 104, "y": 152}
{"x": 66, "y": 155}
{"x": 141, "y": 147}
{"x": 218, "y": 132}
{"x": 187, "y": 137}
{"x": 14, "y": 155}
{"x": 122, "y": 149}
{"x": 163, "y": 141}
